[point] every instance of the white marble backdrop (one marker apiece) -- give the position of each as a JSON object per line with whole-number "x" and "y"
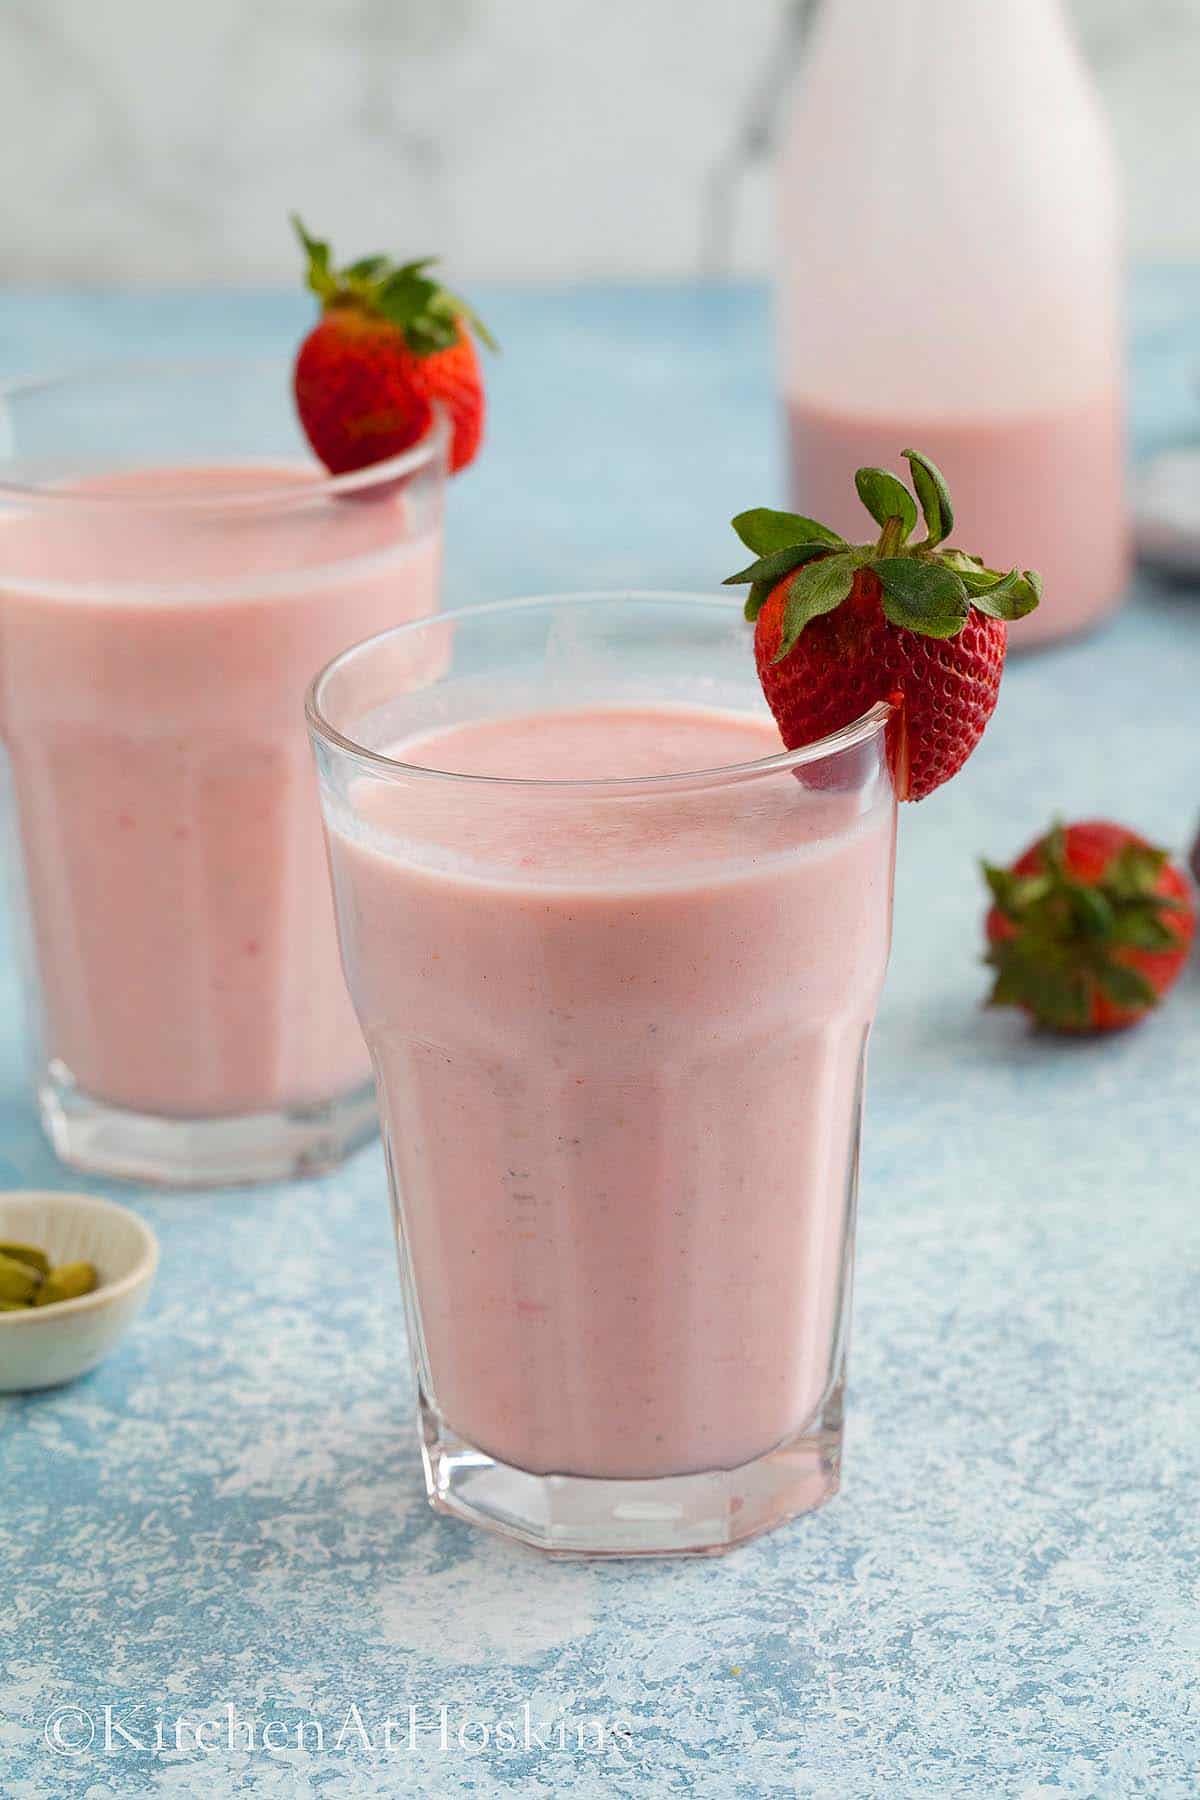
{"x": 164, "y": 140}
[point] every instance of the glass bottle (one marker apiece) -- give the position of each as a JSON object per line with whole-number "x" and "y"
{"x": 950, "y": 279}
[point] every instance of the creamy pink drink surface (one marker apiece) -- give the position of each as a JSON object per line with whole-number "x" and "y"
{"x": 1008, "y": 477}
{"x": 619, "y": 1043}
{"x": 153, "y": 664}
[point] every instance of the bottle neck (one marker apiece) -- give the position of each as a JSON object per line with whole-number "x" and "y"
{"x": 943, "y": 31}
{"x": 972, "y": 61}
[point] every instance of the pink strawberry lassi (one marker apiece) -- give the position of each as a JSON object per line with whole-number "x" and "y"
{"x": 158, "y": 627}
{"x": 618, "y": 1016}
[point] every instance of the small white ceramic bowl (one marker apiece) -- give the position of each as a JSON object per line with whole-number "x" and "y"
{"x": 46, "y": 1345}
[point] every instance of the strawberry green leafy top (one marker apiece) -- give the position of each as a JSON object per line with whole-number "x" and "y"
{"x": 927, "y": 586}
{"x": 428, "y": 316}
{"x": 1068, "y": 936}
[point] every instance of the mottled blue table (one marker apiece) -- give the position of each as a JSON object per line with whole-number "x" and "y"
{"x": 1003, "y": 1599}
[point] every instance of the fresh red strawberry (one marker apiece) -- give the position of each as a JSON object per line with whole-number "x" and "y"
{"x": 842, "y": 626}
{"x": 390, "y": 344}
{"x": 1089, "y": 928}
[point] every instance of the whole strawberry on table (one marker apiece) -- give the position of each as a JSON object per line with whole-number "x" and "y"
{"x": 390, "y": 345}
{"x": 840, "y": 627}
{"x": 1089, "y": 927}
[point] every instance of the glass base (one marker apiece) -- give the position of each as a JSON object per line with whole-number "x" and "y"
{"x": 100, "y": 1139}
{"x": 673, "y": 1515}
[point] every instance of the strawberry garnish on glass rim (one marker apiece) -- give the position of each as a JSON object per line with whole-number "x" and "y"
{"x": 1088, "y": 928}
{"x": 922, "y": 625}
{"x": 391, "y": 343}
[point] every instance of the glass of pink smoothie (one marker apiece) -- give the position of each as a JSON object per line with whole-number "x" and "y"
{"x": 616, "y": 955}
{"x": 173, "y": 568}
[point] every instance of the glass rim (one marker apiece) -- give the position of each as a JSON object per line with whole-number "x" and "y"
{"x": 51, "y": 495}
{"x": 868, "y": 725}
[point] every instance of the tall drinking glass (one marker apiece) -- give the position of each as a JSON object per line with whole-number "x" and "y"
{"x": 173, "y": 568}
{"x": 616, "y": 955}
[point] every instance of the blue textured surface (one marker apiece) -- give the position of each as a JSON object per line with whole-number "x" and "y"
{"x": 1003, "y": 1599}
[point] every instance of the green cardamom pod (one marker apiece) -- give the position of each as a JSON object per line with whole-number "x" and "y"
{"x": 17, "y": 1280}
{"x": 28, "y": 1254}
{"x": 66, "y": 1283}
